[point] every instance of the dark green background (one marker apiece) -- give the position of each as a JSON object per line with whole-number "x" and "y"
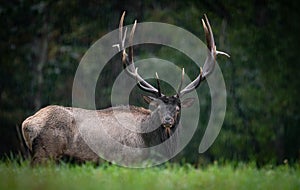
{"x": 42, "y": 43}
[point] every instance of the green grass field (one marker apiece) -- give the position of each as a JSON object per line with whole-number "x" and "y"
{"x": 67, "y": 176}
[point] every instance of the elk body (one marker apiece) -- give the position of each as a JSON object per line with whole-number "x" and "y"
{"x": 54, "y": 131}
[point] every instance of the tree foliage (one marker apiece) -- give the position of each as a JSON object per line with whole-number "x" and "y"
{"x": 42, "y": 43}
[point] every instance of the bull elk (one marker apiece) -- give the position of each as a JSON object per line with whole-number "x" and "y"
{"x": 53, "y": 132}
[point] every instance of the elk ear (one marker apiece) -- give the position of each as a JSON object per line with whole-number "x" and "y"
{"x": 148, "y": 99}
{"x": 187, "y": 102}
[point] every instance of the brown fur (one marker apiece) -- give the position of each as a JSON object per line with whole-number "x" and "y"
{"x": 52, "y": 132}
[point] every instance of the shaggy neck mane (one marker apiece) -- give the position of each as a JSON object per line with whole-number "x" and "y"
{"x": 159, "y": 134}
{"x": 154, "y": 134}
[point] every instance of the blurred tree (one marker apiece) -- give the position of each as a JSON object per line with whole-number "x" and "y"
{"x": 42, "y": 43}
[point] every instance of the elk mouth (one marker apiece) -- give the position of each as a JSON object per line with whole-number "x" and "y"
{"x": 167, "y": 128}
{"x": 167, "y": 125}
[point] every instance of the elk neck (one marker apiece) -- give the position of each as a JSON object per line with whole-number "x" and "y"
{"x": 158, "y": 133}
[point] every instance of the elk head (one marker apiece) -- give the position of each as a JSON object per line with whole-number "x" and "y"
{"x": 168, "y": 108}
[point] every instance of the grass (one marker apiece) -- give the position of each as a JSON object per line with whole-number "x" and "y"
{"x": 14, "y": 175}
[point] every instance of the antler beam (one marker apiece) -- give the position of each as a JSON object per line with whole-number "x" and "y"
{"x": 210, "y": 61}
{"x": 128, "y": 63}
{"x": 131, "y": 70}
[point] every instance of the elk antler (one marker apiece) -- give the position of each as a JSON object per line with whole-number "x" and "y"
{"x": 128, "y": 63}
{"x": 209, "y": 62}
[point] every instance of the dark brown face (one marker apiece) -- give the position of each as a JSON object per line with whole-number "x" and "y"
{"x": 168, "y": 109}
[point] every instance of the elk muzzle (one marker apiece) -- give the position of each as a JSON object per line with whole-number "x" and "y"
{"x": 168, "y": 121}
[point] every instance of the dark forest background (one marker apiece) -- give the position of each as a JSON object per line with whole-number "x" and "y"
{"x": 42, "y": 43}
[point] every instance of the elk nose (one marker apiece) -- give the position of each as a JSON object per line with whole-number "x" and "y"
{"x": 169, "y": 119}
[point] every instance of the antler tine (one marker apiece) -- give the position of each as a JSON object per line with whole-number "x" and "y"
{"x": 128, "y": 62}
{"x": 158, "y": 84}
{"x": 121, "y": 39}
{"x": 181, "y": 82}
{"x": 142, "y": 85}
{"x": 210, "y": 59}
{"x": 193, "y": 85}
{"x": 209, "y": 64}
{"x": 210, "y": 38}
{"x": 131, "y": 62}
